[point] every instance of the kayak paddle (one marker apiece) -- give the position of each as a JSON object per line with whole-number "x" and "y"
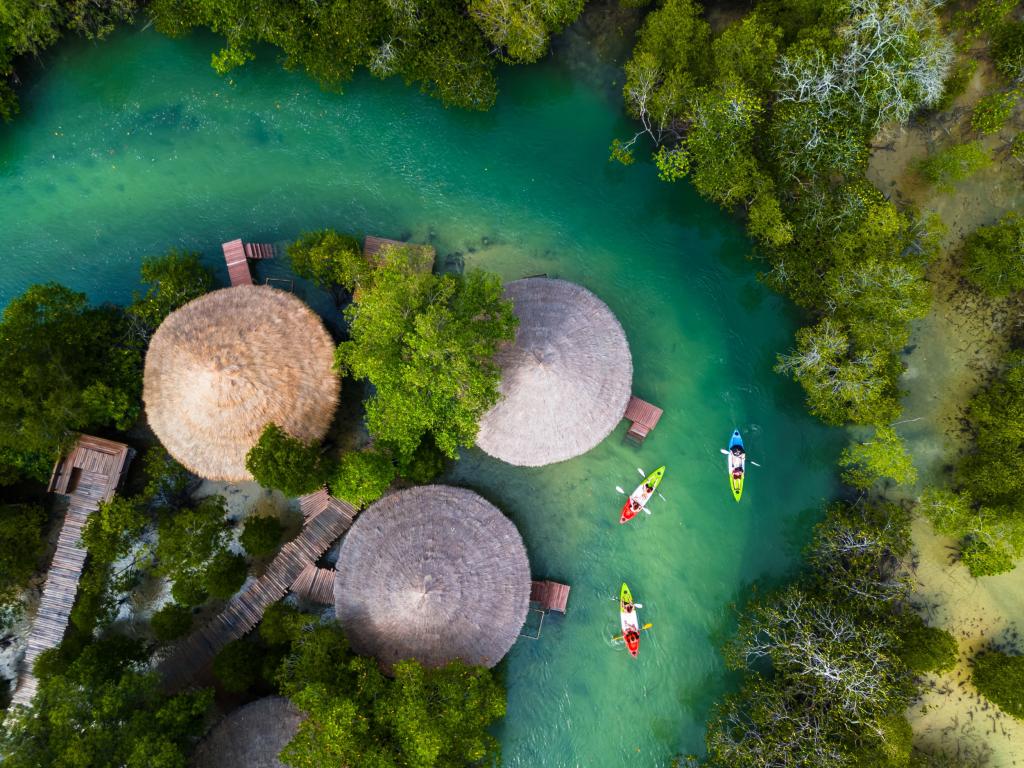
{"x": 619, "y": 637}
{"x": 750, "y": 461}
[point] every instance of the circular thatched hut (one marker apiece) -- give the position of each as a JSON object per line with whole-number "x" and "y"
{"x": 250, "y": 737}
{"x": 434, "y": 573}
{"x": 566, "y": 380}
{"x": 222, "y": 367}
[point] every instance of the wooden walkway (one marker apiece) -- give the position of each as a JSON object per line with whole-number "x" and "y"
{"x": 551, "y": 595}
{"x": 315, "y": 584}
{"x": 326, "y": 519}
{"x": 89, "y": 474}
{"x": 237, "y": 255}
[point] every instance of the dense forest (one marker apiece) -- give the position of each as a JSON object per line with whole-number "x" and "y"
{"x": 771, "y": 114}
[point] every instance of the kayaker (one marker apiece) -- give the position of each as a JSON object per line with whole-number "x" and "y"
{"x": 737, "y": 473}
{"x": 737, "y": 451}
{"x": 627, "y": 607}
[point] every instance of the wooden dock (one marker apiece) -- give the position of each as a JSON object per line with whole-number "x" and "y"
{"x": 237, "y": 255}
{"x": 644, "y": 418}
{"x": 551, "y": 595}
{"x": 89, "y": 474}
{"x": 326, "y": 519}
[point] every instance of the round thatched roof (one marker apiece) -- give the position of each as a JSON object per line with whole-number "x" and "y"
{"x": 566, "y": 379}
{"x": 222, "y": 367}
{"x": 433, "y": 573}
{"x": 250, "y": 737}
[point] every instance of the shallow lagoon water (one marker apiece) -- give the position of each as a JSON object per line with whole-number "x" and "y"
{"x": 133, "y": 146}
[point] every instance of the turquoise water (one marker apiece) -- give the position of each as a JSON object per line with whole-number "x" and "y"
{"x": 130, "y": 147}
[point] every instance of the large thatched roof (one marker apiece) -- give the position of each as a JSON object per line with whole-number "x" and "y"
{"x": 566, "y": 379}
{"x": 222, "y": 367}
{"x": 250, "y": 737}
{"x": 433, "y": 573}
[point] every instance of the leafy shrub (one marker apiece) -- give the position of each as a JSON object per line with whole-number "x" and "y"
{"x": 1017, "y": 147}
{"x": 956, "y": 84}
{"x": 261, "y": 535}
{"x": 21, "y": 543}
{"x": 425, "y": 463}
{"x": 224, "y": 575}
{"x": 883, "y": 457}
{"x": 189, "y": 590}
{"x": 1008, "y": 51}
{"x": 171, "y": 622}
{"x": 329, "y": 259}
{"x": 174, "y": 280}
{"x": 363, "y": 476}
{"x": 279, "y": 623}
{"x": 991, "y": 112}
{"x": 993, "y": 256}
{"x": 237, "y": 666}
{"x": 986, "y": 557}
{"x": 281, "y": 461}
{"x": 926, "y": 649}
{"x": 1000, "y": 678}
{"x": 953, "y": 164}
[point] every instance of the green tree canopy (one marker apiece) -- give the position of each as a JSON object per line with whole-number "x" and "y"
{"x": 21, "y": 544}
{"x": 426, "y": 343}
{"x": 993, "y": 256}
{"x": 1000, "y": 678}
{"x": 103, "y": 710}
{"x": 363, "y": 476}
{"x": 884, "y": 456}
{"x": 174, "y": 279}
{"x": 171, "y": 622}
{"x": 261, "y": 535}
{"x": 64, "y": 367}
{"x": 281, "y": 461}
{"x": 192, "y": 551}
{"x": 329, "y": 259}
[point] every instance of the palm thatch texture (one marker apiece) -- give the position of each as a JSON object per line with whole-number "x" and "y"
{"x": 250, "y": 737}
{"x": 433, "y": 573}
{"x": 566, "y": 379}
{"x": 222, "y": 367}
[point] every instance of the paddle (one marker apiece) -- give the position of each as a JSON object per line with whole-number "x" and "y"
{"x": 619, "y": 637}
{"x": 749, "y": 461}
{"x": 642, "y": 473}
{"x": 635, "y": 605}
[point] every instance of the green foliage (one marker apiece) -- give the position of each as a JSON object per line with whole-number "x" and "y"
{"x": 1008, "y": 51}
{"x": 171, "y": 622}
{"x": 993, "y": 256}
{"x": 521, "y": 30}
{"x": 21, "y": 544}
{"x": 424, "y": 465}
{"x": 991, "y": 538}
{"x": 330, "y": 259}
{"x": 281, "y": 461}
{"x": 926, "y": 649}
{"x": 992, "y": 112}
{"x": 444, "y": 46}
{"x": 280, "y": 625}
{"x": 261, "y": 535}
{"x": 363, "y": 476}
{"x": 1017, "y": 147}
{"x": 110, "y": 531}
{"x": 955, "y": 163}
{"x": 884, "y": 456}
{"x": 101, "y": 710}
{"x": 174, "y": 280}
{"x": 983, "y": 18}
{"x": 192, "y": 551}
{"x": 1000, "y": 678}
{"x": 168, "y": 483}
{"x": 224, "y": 574}
{"x": 64, "y": 367}
{"x": 423, "y": 717}
{"x": 956, "y": 84}
{"x": 426, "y": 343}
{"x": 237, "y": 665}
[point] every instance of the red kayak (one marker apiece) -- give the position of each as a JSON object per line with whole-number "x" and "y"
{"x": 643, "y": 493}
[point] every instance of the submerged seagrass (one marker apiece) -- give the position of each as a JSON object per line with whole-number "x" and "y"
{"x": 250, "y": 737}
{"x": 433, "y": 573}
{"x": 225, "y": 365}
{"x": 566, "y": 379}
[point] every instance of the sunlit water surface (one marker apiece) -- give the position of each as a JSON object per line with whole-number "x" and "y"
{"x": 129, "y": 147}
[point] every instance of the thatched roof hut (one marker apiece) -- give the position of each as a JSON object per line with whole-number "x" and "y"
{"x": 566, "y": 379}
{"x": 250, "y": 737}
{"x": 434, "y": 573}
{"x": 222, "y": 367}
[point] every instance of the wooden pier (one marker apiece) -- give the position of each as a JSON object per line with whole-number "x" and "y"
{"x": 326, "y": 518}
{"x": 644, "y": 418}
{"x": 551, "y": 595}
{"x": 88, "y": 475}
{"x": 237, "y": 255}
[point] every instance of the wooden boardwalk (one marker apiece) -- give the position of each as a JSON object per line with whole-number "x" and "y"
{"x": 89, "y": 474}
{"x": 237, "y": 255}
{"x": 326, "y": 519}
{"x": 644, "y": 418}
{"x": 315, "y": 584}
{"x": 551, "y": 595}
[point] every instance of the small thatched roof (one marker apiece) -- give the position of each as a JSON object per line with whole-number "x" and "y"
{"x": 250, "y": 737}
{"x": 566, "y": 379}
{"x": 222, "y": 367}
{"x": 433, "y": 573}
